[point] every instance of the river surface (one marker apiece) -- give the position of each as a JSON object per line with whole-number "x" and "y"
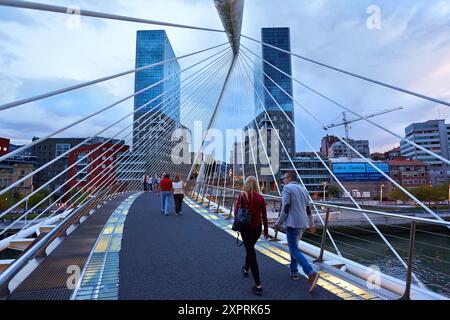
{"x": 432, "y": 260}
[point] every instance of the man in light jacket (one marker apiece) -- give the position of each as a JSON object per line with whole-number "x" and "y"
{"x": 296, "y": 216}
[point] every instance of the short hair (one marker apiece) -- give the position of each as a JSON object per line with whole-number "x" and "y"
{"x": 292, "y": 174}
{"x": 167, "y": 176}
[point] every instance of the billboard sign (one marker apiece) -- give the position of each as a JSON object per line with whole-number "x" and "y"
{"x": 360, "y": 172}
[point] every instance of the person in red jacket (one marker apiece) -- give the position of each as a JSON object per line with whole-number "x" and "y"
{"x": 252, "y": 199}
{"x": 166, "y": 188}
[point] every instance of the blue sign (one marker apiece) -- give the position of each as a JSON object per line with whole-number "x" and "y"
{"x": 360, "y": 172}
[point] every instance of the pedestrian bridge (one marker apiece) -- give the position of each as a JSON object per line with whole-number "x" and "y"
{"x": 106, "y": 239}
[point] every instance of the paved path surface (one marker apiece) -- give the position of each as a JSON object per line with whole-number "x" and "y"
{"x": 49, "y": 280}
{"x": 189, "y": 258}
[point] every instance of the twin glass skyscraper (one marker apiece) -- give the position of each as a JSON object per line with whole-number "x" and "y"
{"x": 271, "y": 87}
{"x": 280, "y": 38}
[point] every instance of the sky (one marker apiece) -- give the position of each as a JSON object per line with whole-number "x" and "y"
{"x": 40, "y": 52}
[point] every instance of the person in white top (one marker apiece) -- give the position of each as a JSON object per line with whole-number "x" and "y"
{"x": 178, "y": 194}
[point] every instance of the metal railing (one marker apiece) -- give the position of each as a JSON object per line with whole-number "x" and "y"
{"x": 411, "y": 219}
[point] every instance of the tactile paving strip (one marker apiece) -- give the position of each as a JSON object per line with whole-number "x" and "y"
{"x": 279, "y": 253}
{"x": 100, "y": 277}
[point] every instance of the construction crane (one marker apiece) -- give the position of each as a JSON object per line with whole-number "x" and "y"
{"x": 346, "y": 123}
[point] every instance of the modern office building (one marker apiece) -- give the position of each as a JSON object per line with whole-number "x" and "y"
{"x": 153, "y": 46}
{"x": 271, "y": 87}
{"x": 433, "y": 135}
{"x": 157, "y": 110}
{"x": 273, "y": 108}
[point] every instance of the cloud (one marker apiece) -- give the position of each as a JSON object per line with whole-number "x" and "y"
{"x": 39, "y": 53}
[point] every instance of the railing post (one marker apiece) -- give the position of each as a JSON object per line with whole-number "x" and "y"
{"x": 412, "y": 241}
{"x": 218, "y": 200}
{"x": 204, "y": 191}
{"x": 210, "y": 196}
{"x": 324, "y": 237}
{"x": 197, "y": 187}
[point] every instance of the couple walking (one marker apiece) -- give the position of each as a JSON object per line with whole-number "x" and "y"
{"x": 171, "y": 189}
{"x": 295, "y": 216}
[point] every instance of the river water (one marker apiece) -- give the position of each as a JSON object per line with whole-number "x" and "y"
{"x": 432, "y": 260}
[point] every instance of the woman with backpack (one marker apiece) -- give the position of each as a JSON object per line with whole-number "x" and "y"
{"x": 252, "y": 203}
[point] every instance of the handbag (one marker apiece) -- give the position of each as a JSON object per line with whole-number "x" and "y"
{"x": 242, "y": 218}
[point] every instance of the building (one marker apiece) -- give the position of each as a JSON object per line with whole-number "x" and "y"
{"x": 378, "y": 156}
{"x": 47, "y": 151}
{"x": 341, "y": 150}
{"x": 326, "y": 143}
{"x": 409, "y": 173}
{"x": 433, "y": 135}
{"x": 86, "y": 171}
{"x": 12, "y": 170}
{"x": 17, "y": 167}
{"x": 4, "y": 146}
{"x": 153, "y": 46}
{"x": 392, "y": 154}
{"x": 156, "y": 122}
{"x": 312, "y": 171}
{"x": 264, "y": 99}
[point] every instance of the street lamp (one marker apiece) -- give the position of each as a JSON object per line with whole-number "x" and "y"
{"x": 381, "y": 193}
{"x": 325, "y": 184}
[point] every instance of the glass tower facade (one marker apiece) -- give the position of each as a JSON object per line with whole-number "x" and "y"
{"x": 153, "y": 46}
{"x": 280, "y": 38}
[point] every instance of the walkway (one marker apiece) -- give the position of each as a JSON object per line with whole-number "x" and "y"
{"x": 189, "y": 258}
{"x": 49, "y": 280}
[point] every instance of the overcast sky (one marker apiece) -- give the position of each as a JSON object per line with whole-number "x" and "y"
{"x": 39, "y": 53}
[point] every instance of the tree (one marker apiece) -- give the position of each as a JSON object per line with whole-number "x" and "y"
{"x": 333, "y": 190}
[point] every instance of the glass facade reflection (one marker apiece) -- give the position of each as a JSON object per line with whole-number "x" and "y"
{"x": 280, "y": 38}
{"x": 153, "y": 46}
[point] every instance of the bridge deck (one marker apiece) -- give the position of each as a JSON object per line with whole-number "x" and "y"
{"x": 49, "y": 280}
{"x": 188, "y": 257}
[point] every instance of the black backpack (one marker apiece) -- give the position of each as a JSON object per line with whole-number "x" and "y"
{"x": 242, "y": 218}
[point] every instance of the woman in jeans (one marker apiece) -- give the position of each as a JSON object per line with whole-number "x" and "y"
{"x": 178, "y": 194}
{"x": 251, "y": 199}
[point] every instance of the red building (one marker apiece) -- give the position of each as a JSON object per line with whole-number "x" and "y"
{"x": 106, "y": 163}
{"x": 409, "y": 173}
{"x": 4, "y": 146}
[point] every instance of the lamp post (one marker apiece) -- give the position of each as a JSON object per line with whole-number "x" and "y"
{"x": 381, "y": 193}
{"x": 325, "y": 184}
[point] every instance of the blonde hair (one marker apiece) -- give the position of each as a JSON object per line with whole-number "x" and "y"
{"x": 251, "y": 185}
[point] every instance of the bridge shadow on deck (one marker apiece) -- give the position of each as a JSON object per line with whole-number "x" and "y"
{"x": 189, "y": 258}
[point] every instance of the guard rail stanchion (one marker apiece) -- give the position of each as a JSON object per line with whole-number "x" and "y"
{"x": 411, "y": 252}
{"x": 324, "y": 237}
{"x": 218, "y": 206}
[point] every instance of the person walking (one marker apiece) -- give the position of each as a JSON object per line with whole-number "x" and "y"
{"x": 145, "y": 182}
{"x": 251, "y": 198}
{"x": 296, "y": 216}
{"x": 178, "y": 194}
{"x": 155, "y": 183}
{"x": 166, "y": 188}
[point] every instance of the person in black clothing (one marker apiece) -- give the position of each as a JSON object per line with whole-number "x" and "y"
{"x": 251, "y": 199}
